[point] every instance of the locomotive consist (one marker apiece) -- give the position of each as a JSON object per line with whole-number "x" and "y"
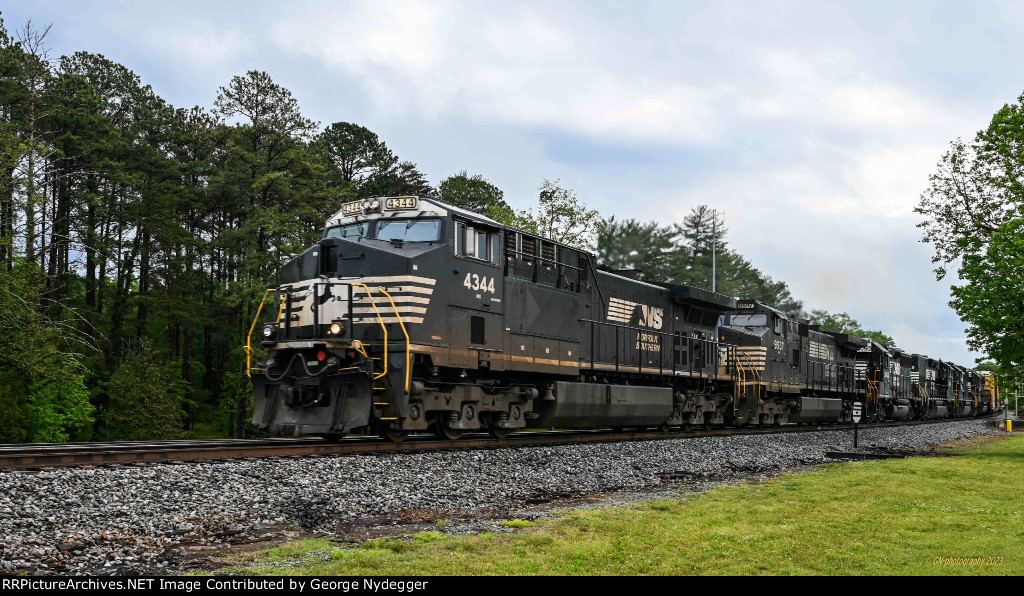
{"x": 413, "y": 315}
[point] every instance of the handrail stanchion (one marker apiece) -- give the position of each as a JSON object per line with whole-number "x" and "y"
{"x": 247, "y": 348}
{"x": 369, "y": 296}
{"x": 402, "y": 325}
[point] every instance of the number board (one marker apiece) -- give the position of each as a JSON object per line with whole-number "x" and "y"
{"x": 353, "y": 208}
{"x": 401, "y": 203}
{"x": 745, "y": 305}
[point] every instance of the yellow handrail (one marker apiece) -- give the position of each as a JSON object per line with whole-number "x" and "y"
{"x": 873, "y": 389}
{"x": 280, "y": 311}
{"x": 249, "y": 352}
{"x": 248, "y": 338}
{"x": 400, "y": 323}
{"x": 741, "y": 390}
{"x": 743, "y": 372}
{"x": 369, "y": 297}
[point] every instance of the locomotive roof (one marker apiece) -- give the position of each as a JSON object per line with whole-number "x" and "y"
{"x": 463, "y": 212}
{"x": 703, "y": 298}
{"x": 770, "y": 308}
{"x": 876, "y": 346}
{"x": 434, "y": 202}
{"x": 622, "y": 277}
{"x": 845, "y": 339}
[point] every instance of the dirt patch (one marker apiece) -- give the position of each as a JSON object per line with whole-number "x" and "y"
{"x": 946, "y": 449}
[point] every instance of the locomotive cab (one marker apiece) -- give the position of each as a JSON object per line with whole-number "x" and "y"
{"x": 791, "y": 368}
{"x": 351, "y": 308}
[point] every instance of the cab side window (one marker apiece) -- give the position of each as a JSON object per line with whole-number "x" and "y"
{"x": 777, "y": 324}
{"x": 475, "y": 243}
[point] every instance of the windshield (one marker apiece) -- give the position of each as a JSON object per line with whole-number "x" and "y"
{"x": 355, "y": 230}
{"x": 756, "y": 320}
{"x": 409, "y": 230}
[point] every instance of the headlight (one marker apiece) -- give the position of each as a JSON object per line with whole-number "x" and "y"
{"x": 366, "y": 205}
{"x": 270, "y": 333}
{"x": 336, "y": 330}
{"x": 375, "y": 204}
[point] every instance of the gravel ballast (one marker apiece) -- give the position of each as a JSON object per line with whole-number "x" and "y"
{"x": 127, "y": 520}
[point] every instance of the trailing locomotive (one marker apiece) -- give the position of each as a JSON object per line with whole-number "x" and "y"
{"x": 413, "y": 315}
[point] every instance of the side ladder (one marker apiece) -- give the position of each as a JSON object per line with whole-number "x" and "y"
{"x": 384, "y": 395}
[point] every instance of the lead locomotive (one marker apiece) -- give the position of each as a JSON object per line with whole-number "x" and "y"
{"x": 414, "y": 315}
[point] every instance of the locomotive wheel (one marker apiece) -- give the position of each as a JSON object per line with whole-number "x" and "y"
{"x": 498, "y": 432}
{"x": 393, "y": 434}
{"x": 333, "y": 437}
{"x": 688, "y": 426}
{"x": 665, "y": 427}
{"x": 451, "y": 434}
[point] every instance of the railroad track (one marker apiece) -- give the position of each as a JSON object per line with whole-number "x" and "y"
{"x": 51, "y": 455}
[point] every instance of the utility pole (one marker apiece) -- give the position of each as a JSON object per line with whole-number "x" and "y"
{"x": 714, "y": 248}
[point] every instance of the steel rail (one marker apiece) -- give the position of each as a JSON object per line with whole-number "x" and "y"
{"x": 53, "y": 455}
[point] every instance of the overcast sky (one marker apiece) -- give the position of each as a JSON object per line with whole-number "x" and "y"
{"x": 813, "y": 125}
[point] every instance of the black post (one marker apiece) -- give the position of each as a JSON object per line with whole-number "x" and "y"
{"x": 856, "y": 427}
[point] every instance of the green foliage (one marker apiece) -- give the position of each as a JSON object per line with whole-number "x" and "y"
{"x": 472, "y": 192}
{"x": 647, "y": 247}
{"x": 844, "y": 323}
{"x": 59, "y": 405}
{"x": 520, "y": 220}
{"x": 13, "y": 409}
{"x": 683, "y": 254}
{"x": 356, "y": 153}
{"x": 989, "y": 299}
{"x": 563, "y": 217}
{"x": 973, "y": 209}
{"x": 144, "y": 399}
{"x": 42, "y": 382}
{"x": 361, "y": 165}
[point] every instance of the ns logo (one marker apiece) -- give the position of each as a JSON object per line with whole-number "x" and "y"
{"x": 652, "y": 316}
{"x": 622, "y": 311}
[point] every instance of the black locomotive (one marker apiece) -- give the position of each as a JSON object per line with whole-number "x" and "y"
{"x": 414, "y": 315}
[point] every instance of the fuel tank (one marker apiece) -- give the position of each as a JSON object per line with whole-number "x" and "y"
{"x": 583, "y": 405}
{"x": 817, "y": 409}
{"x": 898, "y": 411}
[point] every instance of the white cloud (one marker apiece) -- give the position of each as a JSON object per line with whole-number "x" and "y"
{"x": 831, "y": 86}
{"x": 187, "y": 40}
{"x": 877, "y": 104}
{"x": 519, "y": 69}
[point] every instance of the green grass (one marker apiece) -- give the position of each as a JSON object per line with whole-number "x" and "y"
{"x": 517, "y": 523}
{"x": 207, "y": 430}
{"x": 881, "y": 517}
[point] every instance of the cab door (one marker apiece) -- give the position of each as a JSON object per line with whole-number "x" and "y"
{"x": 475, "y": 306}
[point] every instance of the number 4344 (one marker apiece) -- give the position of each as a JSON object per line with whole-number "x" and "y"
{"x": 478, "y": 283}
